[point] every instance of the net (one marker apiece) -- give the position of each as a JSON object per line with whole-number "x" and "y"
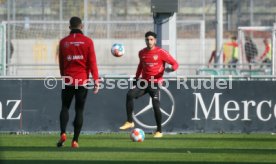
{"x": 255, "y": 48}
{"x": 36, "y": 42}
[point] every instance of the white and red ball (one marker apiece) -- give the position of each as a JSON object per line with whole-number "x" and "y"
{"x": 117, "y": 50}
{"x": 137, "y": 135}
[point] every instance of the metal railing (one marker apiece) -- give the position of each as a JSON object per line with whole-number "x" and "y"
{"x": 245, "y": 71}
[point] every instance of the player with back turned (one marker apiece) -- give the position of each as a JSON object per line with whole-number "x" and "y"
{"x": 151, "y": 67}
{"x": 77, "y": 59}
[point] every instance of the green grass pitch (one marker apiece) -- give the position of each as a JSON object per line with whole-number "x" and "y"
{"x": 118, "y": 148}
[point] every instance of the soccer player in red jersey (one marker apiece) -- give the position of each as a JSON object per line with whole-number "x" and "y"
{"x": 151, "y": 67}
{"x": 266, "y": 56}
{"x": 77, "y": 59}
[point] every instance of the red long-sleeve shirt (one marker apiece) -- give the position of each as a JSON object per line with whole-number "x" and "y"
{"x": 233, "y": 43}
{"x": 77, "y": 58}
{"x": 152, "y": 64}
{"x": 267, "y": 49}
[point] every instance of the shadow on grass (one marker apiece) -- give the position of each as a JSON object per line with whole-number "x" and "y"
{"x": 140, "y": 150}
{"x": 218, "y": 137}
{"x": 115, "y": 162}
{"x": 245, "y": 139}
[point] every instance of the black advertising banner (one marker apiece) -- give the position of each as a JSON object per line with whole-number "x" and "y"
{"x": 195, "y": 105}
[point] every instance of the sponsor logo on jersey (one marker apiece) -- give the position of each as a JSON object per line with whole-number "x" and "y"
{"x": 155, "y": 57}
{"x": 66, "y": 45}
{"x": 76, "y": 43}
{"x": 77, "y": 57}
{"x": 74, "y": 57}
{"x": 69, "y": 58}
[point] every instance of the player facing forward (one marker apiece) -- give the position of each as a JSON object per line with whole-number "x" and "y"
{"x": 152, "y": 67}
{"x": 77, "y": 60}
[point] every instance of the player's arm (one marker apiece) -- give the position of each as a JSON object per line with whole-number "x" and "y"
{"x": 93, "y": 66}
{"x": 267, "y": 49}
{"x": 139, "y": 68}
{"x": 138, "y": 71}
{"x": 60, "y": 58}
{"x": 170, "y": 60}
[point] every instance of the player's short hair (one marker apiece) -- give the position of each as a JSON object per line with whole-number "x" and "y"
{"x": 234, "y": 38}
{"x": 150, "y": 33}
{"x": 75, "y": 22}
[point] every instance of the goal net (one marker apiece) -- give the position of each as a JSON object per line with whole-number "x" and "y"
{"x": 35, "y": 45}
{"x": 256, "y": 50}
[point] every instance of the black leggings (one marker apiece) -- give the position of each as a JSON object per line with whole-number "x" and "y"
{"x": 67, "y": 96}
{"x": 154, "y": 94}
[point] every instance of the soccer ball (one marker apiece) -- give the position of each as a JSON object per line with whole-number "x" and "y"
{"x": 137, "y": 135}
{"x": 117, "y": 49}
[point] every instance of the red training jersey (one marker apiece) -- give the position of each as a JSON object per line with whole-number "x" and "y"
{"x": 77, "y": 58}
{"x": 233, "y": 43}
{"x": 152, "y": 64}
{"x": 267, "y": 49}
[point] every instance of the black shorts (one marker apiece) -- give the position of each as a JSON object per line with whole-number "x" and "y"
{"x": 141, "y": 88}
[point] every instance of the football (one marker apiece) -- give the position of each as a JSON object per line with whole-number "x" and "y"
{"x": 117, "y": 50}
{"x": 137, "y": 135}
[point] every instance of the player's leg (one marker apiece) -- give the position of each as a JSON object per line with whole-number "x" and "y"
{"x": 131, "y": 95}
{"x": 67, "y": 95}
{"x": 154, "y": 92}
{"x": 80, "y": 97}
